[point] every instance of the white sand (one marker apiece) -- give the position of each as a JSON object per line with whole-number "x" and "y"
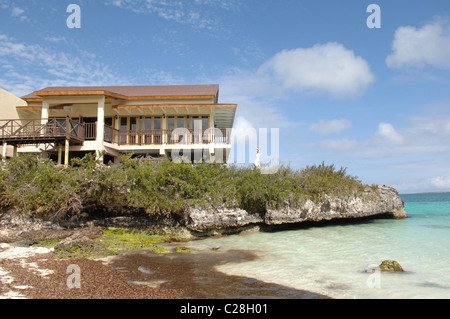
{"x": 21, "y": 254}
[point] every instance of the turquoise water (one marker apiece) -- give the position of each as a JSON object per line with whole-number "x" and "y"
{"x": 337, "y": 260}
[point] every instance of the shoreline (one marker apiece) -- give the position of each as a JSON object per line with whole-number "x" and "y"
{"x": 33, "y": 273}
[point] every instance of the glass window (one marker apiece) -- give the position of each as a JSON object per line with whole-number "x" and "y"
{"x": 133, "y": 124}
{"x": 108, "y": 121}
{"x": 171, "y": 123}
{"x": 157, "y": 123}
{"x": 180, "y": 121}
{"x": 148, "y": 123}
{"x": 205, "y": 122}
{"x": 123, "y": 123}
{"x": 196, "y": 123}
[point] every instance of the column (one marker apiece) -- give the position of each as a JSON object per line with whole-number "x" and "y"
{"x": 5, "y": 146}
{"x": 66, "y": 154}
{"x": 100, "y": 126}
{"x": 60, "y": 147}
{"x": 44, "y": 112}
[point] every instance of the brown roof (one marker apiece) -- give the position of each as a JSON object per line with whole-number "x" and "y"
{"x": 134, "y": 91}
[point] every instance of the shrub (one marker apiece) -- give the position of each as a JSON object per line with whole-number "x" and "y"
{"x": 161, "y": 187}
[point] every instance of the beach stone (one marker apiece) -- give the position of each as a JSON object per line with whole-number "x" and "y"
{"x": 390, "y": 265}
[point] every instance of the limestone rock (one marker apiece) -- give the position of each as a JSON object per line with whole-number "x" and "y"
{"x": 390, "y": 265}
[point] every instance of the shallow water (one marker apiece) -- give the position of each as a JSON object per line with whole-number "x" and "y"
{"x": 335, "y": 260}
{"x": 196, "y": 274}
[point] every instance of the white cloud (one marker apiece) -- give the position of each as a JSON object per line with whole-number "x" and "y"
{"x": 331, "y": 127}
{"x": 441, "y": 181}
{"x": 197, "y": 13}
{"x": 427, "y": 46}
{"x": 27, "y": 67}
{"x": 324, "y": 68}
{"x": 426, "y": 135}
{"x": 343, "y": 145}
{"x": 387, "y": 132}
{"x": 16, "y": 11}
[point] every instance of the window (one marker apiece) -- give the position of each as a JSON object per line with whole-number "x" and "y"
{"x": 171, "y": 123}
{"x": 123, "y": 130}
{"x": 180, "y": 121}
{"x": 148, "y": 123}
{"x": 157, "y": 123}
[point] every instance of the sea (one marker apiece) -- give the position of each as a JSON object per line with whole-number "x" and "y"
{"x": 340, "y": 260}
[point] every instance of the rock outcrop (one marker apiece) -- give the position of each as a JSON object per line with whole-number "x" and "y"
{"x": 381, "y": 201}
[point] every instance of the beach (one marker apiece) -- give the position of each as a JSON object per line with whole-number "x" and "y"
{"x": 33, "y": 273}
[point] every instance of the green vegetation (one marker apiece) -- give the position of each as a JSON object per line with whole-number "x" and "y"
{"x": 160, "y": 187}
{"x": 112, "y": 242}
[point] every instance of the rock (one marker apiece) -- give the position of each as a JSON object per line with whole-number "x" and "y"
{"x": 205, "y": 218}
{"x": 78, "y": 239}
{"x": 390, "y": 265}
{"x": 383, "y": 200}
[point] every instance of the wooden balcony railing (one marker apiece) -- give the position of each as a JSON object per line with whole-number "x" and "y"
{"x": 55, "y": 129}
{"x": 172, "y": 137}
{"x": 31, "y": 131}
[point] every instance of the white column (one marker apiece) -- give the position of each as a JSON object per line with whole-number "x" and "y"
{"x": 100, "y": 124}
{"x": 5, "y": 146}
{"x": 66, "y": 154}
{"x": 44, "y": 112}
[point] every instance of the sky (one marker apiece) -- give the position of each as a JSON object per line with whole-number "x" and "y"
{"x": 368, "y": 90}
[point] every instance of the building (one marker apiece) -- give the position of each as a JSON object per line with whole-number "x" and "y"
{"x": 62, "y": 122}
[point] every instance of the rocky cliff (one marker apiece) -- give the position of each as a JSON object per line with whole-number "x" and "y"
{"x": 381, "y": 201}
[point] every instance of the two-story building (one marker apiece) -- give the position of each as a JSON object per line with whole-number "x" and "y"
{"x": 62, "y": 122}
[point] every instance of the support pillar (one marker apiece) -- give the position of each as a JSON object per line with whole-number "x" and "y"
{"x": 14, "y": 151}
{"x": 66, "y": 154}
{"x": 100, "y": 127}
{"x": 44, "y": 112}
{"x": 5, "y": 146}
{"x": 60, "y": 149}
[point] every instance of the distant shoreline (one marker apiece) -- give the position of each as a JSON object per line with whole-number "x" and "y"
{"x": 425, "y": 193}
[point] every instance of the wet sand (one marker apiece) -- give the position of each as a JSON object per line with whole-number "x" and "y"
{"x": 196, "y": 275}
{"x": 31, "y": 273}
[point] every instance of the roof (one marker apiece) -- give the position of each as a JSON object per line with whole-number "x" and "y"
{"x": 207, "y": 90}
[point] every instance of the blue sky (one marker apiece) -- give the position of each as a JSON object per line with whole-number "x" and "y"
{"x": 376, "y": 101}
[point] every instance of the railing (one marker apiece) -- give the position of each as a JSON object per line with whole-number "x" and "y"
{"x": 29, "y": 130}
{"x": 38, "y": 130}
{"x": 90, "y": 131}
{"x": 180, "y": 136}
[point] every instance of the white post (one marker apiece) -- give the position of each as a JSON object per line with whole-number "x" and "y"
{"x": 44, "y": 112}
{"x": 66, "y": 154}
{"x": 100, "y": 124}
{"x": 5, "y": 146}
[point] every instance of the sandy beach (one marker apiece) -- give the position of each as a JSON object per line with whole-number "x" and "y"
{"x": 32, "y": 273}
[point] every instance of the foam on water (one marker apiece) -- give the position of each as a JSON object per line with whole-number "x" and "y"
{"x": 333, "y": 260}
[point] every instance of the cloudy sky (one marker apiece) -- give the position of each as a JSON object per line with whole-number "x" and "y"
{"x": 374, "y": 100}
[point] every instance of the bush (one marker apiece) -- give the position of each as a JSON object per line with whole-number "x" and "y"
{"x": 161, "y": 187}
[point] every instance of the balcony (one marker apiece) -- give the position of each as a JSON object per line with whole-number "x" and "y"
{"x": 35, "y": 131}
